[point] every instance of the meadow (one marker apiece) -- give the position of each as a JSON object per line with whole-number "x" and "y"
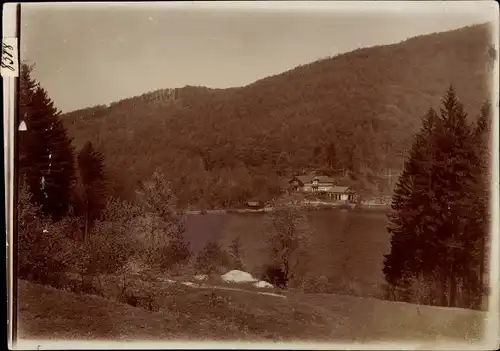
{"x": 191, "y": 314}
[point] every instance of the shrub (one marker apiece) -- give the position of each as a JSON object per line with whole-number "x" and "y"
{"x": 274, "y": 275}
{"x": 288, "y": 231}
{"x": 393, "y": 293}
{"x": 235, "y": 255}
{"x": 146, "y": 299}
{"x": 419, "y": 290}
{"x": 41, "y": 249}
{"x": 109, "y": 246}
{"x": 162, "y": 224}
{"x": 424, "y": 291}
{"x": 349, "y": 287}
{"x": 175, "y": 252}
{"x": 87, "y": 286}
{"x": 107, "y": 254}
{"x": 319, "y": 284}
{"x": 212, "y": 259}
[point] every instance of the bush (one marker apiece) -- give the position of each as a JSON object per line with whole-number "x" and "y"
{"x": 109, "y": 246}
{"x": 41, "y": 246}
{"x": 107, "y": 255}
{"x": 176, "y": 252}
{"x": 86, "y": 285}
{"x": 272, "y": 274}
{"x": 43, "y": 270}
{"x": 424, "y": 291}
{"x": 212, "y": 259}
{"x": 235, "y": 255}
{"x": 162, "y": 224}
{"x": 127, "y": 297}
{"x": 146, "y": 299}
{"x": 419, "y": 290}
{"x": 288, "y": 233}
{"x": 349, "y": 287}
{"x": 319, "y": 284}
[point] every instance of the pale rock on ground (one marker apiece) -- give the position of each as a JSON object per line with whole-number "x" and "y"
{"x": 263, "y": 284}
{"x": 236, "y": 276}
{"x": 201, "y": 277}
{"x": 193, "y": 285}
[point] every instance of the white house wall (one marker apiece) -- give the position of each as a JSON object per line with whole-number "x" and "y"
{"x": 308, "y": 187}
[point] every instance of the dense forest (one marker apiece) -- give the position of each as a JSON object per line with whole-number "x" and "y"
{"x": 355, "y": 114}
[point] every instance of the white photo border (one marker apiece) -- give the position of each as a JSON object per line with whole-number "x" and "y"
{"x": 491, "y": 338}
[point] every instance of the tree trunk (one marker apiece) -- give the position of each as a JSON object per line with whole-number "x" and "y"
{"x": 286, "y": 268}
{"x": 87, "y": 217}
{"x": 444, "y": 278}
{"x": 453, "y": 289}
{"x": 86, "y": 232}
{"x": 482, "y": 260}
{"x": 466, "y": 291}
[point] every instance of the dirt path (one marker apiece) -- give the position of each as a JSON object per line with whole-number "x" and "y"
{"x": 218, "y": 287}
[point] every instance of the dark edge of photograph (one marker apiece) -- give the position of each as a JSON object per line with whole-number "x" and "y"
{"x": 11, "y": 13}
{"x": 15, "y": 164}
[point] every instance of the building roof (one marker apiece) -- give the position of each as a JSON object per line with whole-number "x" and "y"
{"x": 340, "y": 189}
{"x": 309, "y": 179}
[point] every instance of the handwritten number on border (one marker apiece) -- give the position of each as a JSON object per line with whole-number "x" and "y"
{"x": 9, "y": 57}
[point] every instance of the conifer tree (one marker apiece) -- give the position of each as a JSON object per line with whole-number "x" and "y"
{"x": 46, "y": 154}
{"x": 406, "y": 244}
{"x": 480, "y": 222}
{"x": 92, "y": 180}
{"x": 454, "y": 183}
{"x": 433, "y": 212}
{"x": 27, "y": 89}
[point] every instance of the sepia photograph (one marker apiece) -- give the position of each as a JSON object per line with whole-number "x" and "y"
{"x": 292, "y": 174}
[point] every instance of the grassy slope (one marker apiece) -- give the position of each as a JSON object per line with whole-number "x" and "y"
{"x": 47, "y": 313}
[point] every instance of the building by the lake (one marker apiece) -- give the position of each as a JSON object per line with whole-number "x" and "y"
{"x": 255, "y": 204}
{"x": 322, "y": 185}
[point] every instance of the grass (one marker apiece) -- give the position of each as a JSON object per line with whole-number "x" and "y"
{"x": 185, "y": 313}
{"x": 204, "y": 314}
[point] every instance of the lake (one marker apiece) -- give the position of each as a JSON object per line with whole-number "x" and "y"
{"x": 347, "y": 245}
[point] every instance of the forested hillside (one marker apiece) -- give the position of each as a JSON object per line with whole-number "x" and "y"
{"x": 357, "y": 112}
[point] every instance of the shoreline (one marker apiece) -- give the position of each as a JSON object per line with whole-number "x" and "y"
{"x": 322, "y": 206}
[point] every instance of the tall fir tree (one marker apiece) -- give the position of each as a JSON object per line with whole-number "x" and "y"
{"x": 454, "y": 185}
{"x": 408, "y": 240}
{"x": 92, "y": 185}
{"x": 46, "y": 154}
{"x": 27, "y": 89}
{"x": 433, "y": 213}
{"x": 480, "y": 223}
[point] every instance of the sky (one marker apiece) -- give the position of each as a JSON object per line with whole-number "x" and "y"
{"x": 89, "y": 54}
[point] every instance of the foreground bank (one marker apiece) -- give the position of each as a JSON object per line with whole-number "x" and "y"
{"x": 186, "y": 313}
